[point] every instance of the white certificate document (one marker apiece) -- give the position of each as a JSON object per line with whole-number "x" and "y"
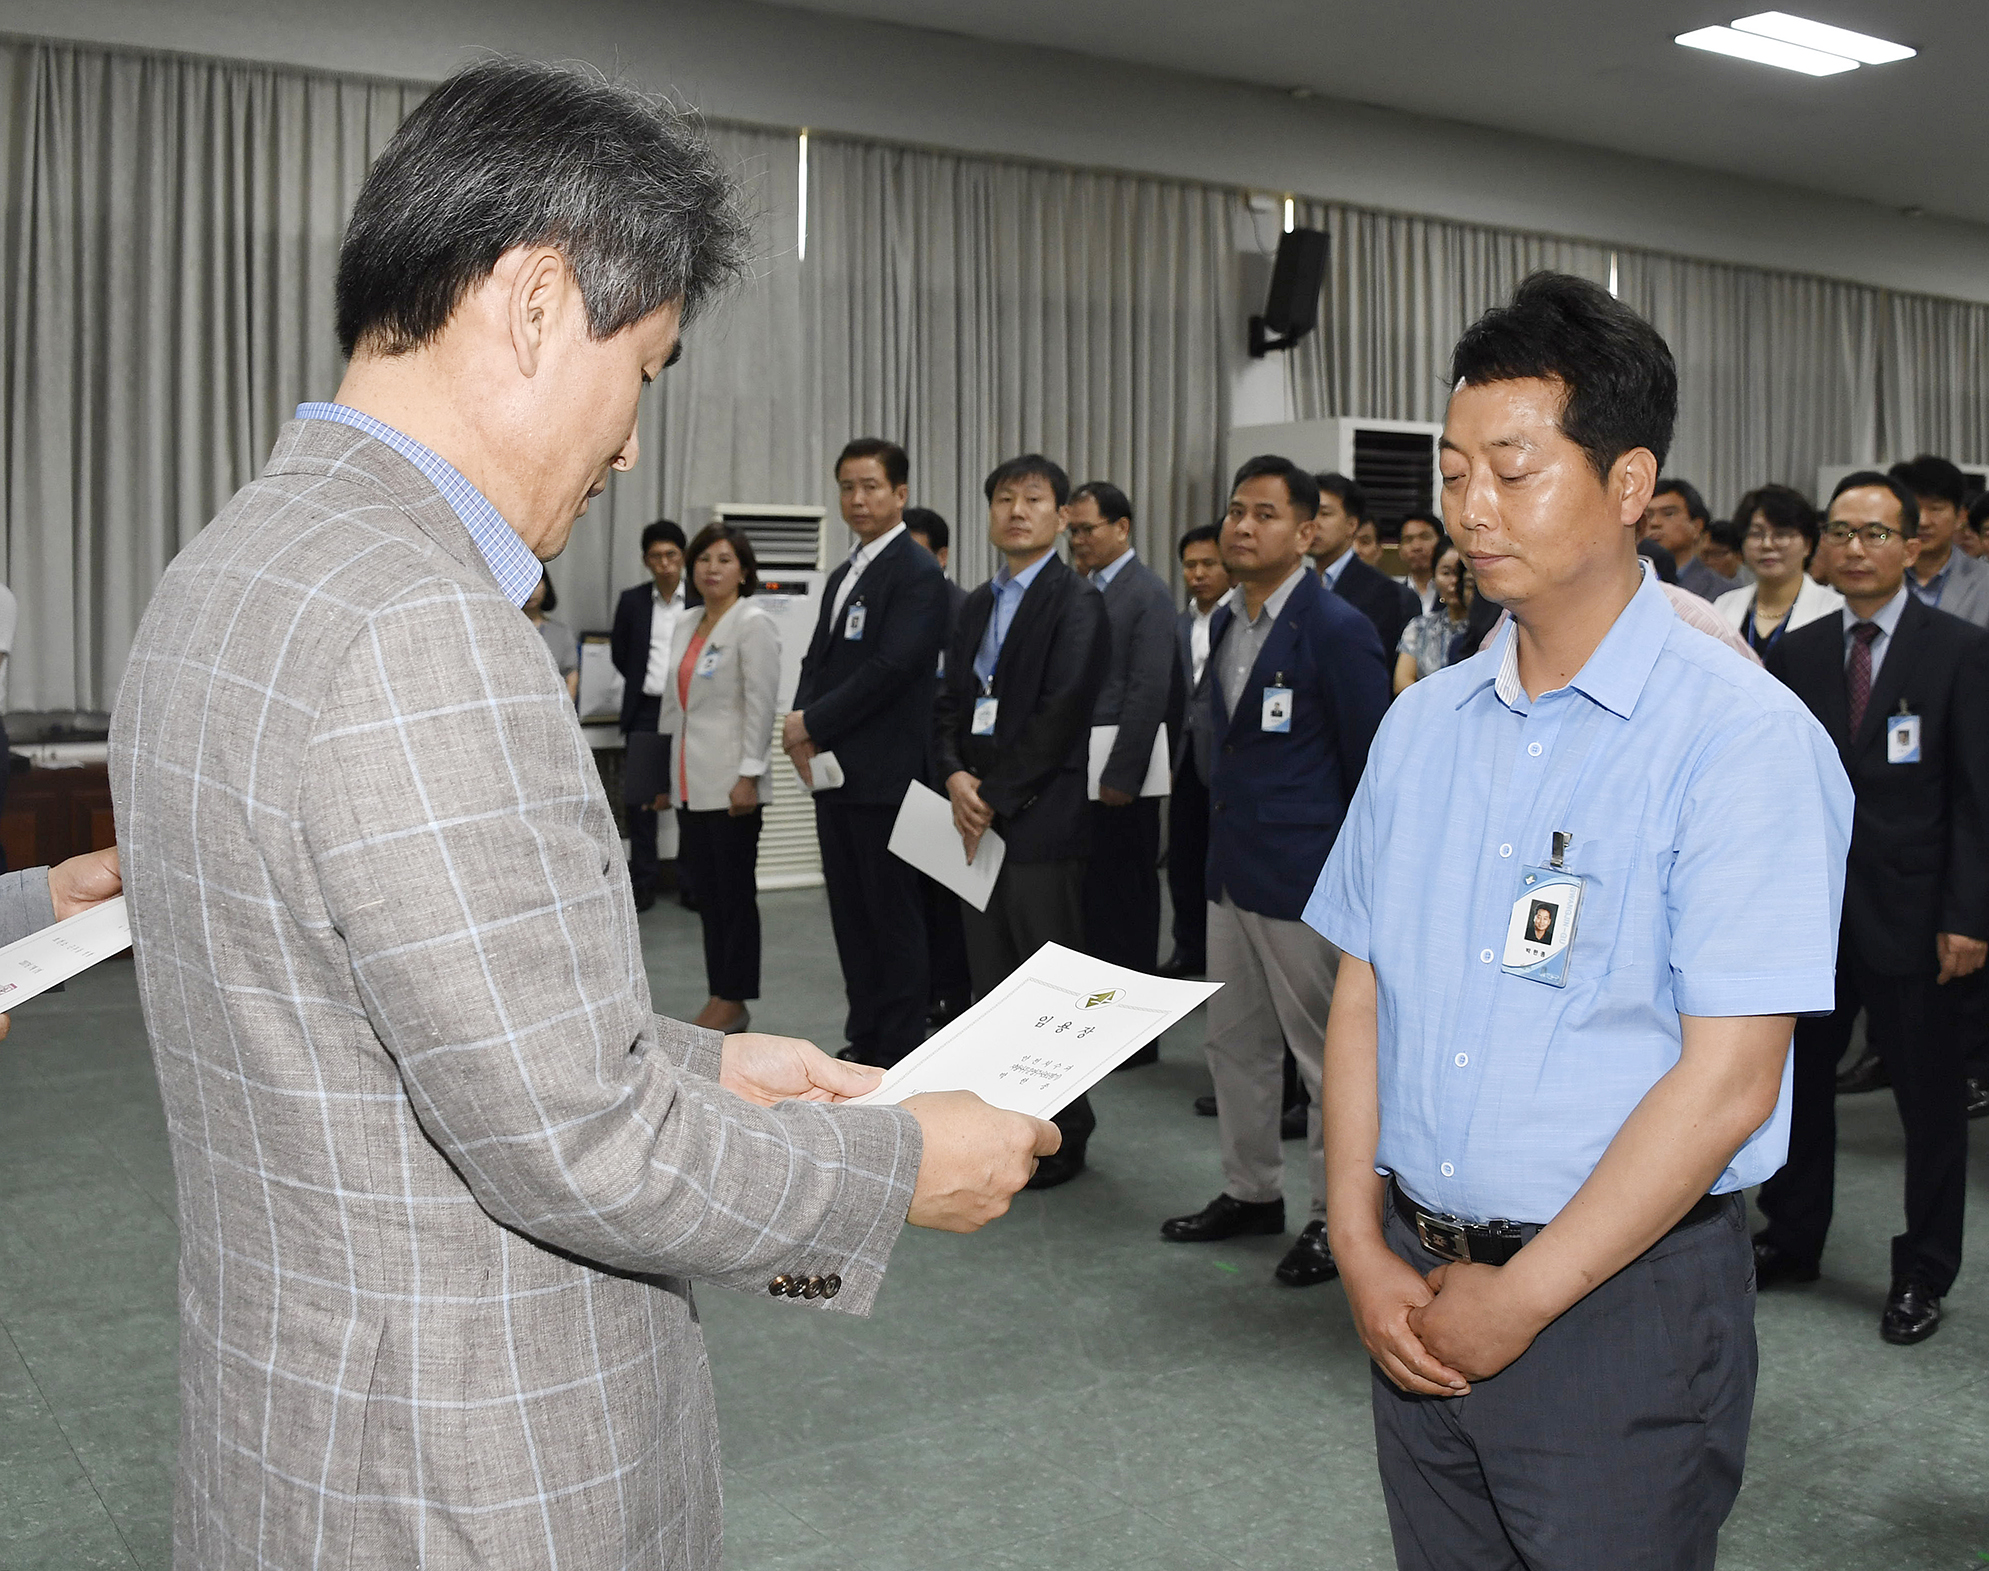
{"x": 1060, "y": 1023}
{"x": 1156, "y": 782}
{"x": 42, "y": 960}
{"x": 925, "y": 837}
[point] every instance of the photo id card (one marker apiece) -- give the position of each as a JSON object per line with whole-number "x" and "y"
{"x": 1277, "y": 709}
{"x": 1541, "y": 932}
{"x": 708, "y": 662}
{"x": 853, "y": 621}
{"x": 985, "y": 710}
{"x": 1902, "y": 739}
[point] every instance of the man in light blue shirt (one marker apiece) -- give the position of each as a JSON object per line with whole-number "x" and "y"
{"x": 1538, "y": 1127}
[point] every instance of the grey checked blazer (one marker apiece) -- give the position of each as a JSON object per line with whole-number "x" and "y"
{"x": 442, "y": 1174}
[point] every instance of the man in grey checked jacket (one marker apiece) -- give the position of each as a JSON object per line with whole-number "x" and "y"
{"x": 443, "y": 1177}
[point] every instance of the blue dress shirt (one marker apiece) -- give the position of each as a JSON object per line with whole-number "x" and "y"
{"x": 1008, "y": 593}
{"x": 511, "y": 562}
{"x": 1710, "y": 817}
{"x": 1111, "y": 569}
{"x": 1885, "y": 618}
{"x": 1929, "y": 593}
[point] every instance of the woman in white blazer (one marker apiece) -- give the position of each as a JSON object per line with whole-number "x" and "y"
{"x": 1779, "y": 533}
{"x": 718, "y": 711}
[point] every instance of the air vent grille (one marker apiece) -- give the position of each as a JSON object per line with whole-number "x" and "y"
{"x": 1394, "y": 469}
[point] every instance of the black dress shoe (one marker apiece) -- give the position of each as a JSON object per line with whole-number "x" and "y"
{"x": 1774, "y": 1266}
{"x": 1205, "y": 1107}
{"x": 1978, "y": 1099}
{"x": 1291, "y": 1122}
{"x": 1912, "y": 1314}
{"x": 1867, "y": 1074}
{"x": 1150, "y": 1054}
{"x": 1180, "y": 965}
{"x": 1309, "y": 1261}
{"x": 943, "y": 1010}
{"x": 1059, "y": 1168}
{"x": 1223, "y": 1217}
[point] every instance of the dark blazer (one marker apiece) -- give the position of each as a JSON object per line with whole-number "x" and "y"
{"x": 869, "y": 700}
{"x": 1139, "y": 694}
{"x": 1277, "y": 799}
{"x": 1388, "y": 605}
{"x": 1184, "y": 679}
{"x": 1919, "y": 862}
{"x": 1052, "y": 664}
{"x": 628, "y": 645}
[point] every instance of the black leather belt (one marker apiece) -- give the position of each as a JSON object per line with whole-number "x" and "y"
{"x": 1494, "y": 1243}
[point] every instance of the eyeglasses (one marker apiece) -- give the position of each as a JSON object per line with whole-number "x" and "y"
{"x": 1871, "y": 534}
{"x": 1778, "y": 536}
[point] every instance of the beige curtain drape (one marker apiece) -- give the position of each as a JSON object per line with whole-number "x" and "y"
{"x": 171, "y": 227}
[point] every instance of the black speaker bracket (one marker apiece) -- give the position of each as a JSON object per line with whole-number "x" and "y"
{"x": 1263, "y": 341}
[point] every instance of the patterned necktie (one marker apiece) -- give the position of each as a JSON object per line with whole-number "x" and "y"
{"x": 1858, "y": 674}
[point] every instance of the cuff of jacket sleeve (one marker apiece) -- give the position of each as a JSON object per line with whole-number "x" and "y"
{"x": 691, "y": 1048}
{"x": 752, "y": 766}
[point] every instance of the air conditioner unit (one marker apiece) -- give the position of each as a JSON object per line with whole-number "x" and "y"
{"x": 792, "y": 548}
{"x": 1395, "y": 461}
{"x": 1827, "y": 475}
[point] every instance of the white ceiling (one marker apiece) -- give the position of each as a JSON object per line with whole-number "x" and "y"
{"x": 1604, "y": 73}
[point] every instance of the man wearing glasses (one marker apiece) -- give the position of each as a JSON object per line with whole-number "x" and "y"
{"x": 1903, "y": 690}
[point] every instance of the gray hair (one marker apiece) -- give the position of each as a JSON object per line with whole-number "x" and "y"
{"x": 511, "y": 153}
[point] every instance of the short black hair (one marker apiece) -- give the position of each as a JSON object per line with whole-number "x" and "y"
{"x": 1201, "y": 534}
{"x": 1978, "y": 512}
{"x": 1351, "y": 493}
{"x": 924, "y": 521}
{"x": 742, "y": 547}
{"x": 1909, "y": 502}
{"x": 1300, "y": 487}
{"x": 1686, "y": 492}
{"x": 1783, "y": 506}
{"x": 1724, "y": 533}
{"x": 510, "y": 153}
{"x": 1109, "y": 499}
{"x": 1431, "y": 519}
{"x": 1024, "y": 467}
{"x": 897, "y": 463}
{"x": 1622, "y": 384}
{"x": 551, "y": 601}
{"x": 662, "y": 530}
{"x": 1931, "y": 477}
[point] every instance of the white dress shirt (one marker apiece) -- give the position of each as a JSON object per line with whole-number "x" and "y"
{"x": 662, "y": 624}
{"x": 1198, "y": 636}
{"x": 859, "y": 559}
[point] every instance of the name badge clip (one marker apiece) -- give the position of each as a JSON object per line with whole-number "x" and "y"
{"x": 1540, "y": 933}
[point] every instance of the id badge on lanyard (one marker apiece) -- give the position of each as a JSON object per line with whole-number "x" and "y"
{"x": 1546, "y": 908}
{"x": 986, "y": 707}
{"x": 1277, "y": 707}
{"x": 853, "y": 621}
{"x": 708, "y": 662}
{"x": 1902, "y": 737}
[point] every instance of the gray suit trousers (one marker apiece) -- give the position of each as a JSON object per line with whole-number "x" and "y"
{"x": 1616, "y": 1439}
{"x": 1277, "y": 981}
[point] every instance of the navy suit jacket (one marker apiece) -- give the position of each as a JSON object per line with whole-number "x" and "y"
{"x": 1047, "y": 681}
{"x": 1919, "y": 862}
{"x": 628, "y": 645}
{"x": 869, "y": 700}
{"x": 1388, "y": 605}
{"x": 1277, "y": 799}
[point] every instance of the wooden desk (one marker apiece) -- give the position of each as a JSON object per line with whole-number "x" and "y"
{"x": 54, "y": 814}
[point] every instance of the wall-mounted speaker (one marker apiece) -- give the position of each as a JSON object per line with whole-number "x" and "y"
{"x": 1292, "y": 308}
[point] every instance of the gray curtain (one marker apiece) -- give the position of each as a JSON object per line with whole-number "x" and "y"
{"x": 171, "y": 230}
{"x": 171, "y": 227}
{"x": 975, "y": 309}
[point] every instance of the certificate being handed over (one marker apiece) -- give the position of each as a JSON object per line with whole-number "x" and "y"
{"x": 1060, "y": 1023}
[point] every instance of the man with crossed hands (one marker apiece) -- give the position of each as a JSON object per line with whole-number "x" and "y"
{"x": 1535, "y": 1151}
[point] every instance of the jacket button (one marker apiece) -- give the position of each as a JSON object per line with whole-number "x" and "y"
{"x": 777, "y": 1286}
{"x": 795, "y": 1286}
{"x": 813, "y": 1289}
{"x": 831, "y": 1285}
{"x": 1229, "y": 747}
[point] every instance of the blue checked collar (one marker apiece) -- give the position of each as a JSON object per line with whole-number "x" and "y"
{"x": 510, "y": 560}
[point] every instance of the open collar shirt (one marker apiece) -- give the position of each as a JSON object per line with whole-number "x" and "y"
{"x": 1929, "y": 593}
{"x": 1009, "y": 588}
{"x": 859, "y": 559}
{"x": 1332, "y": 570}
{"x": 1110, "y": 570}
{"x": 1710, "y": 820}
{"x": 1244, "y": 640}
{"x": 511, "y": 562}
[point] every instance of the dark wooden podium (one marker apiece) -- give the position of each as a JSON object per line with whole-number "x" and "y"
{"x": 54, "y": 814}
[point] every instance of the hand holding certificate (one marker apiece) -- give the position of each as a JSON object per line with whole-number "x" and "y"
{"x": 31, "y": 966}
{"x": 1059, "y": 1024}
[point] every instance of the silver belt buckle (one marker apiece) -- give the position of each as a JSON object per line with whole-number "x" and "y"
{"x": 1447, "y": 1239}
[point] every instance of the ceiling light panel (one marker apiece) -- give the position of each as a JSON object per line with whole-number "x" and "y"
{"x": 1766, "y": 51}
{"x": 1804, "y": 33}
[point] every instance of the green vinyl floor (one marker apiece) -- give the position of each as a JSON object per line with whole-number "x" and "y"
{"x": 1062, "y": 1390}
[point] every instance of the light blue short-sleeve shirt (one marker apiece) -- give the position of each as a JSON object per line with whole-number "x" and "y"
{"x": 1710, "y": 817}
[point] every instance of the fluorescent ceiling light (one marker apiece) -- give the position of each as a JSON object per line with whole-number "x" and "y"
{"x": 1801, "y": 31}
{"x": 1766, "y": 51}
